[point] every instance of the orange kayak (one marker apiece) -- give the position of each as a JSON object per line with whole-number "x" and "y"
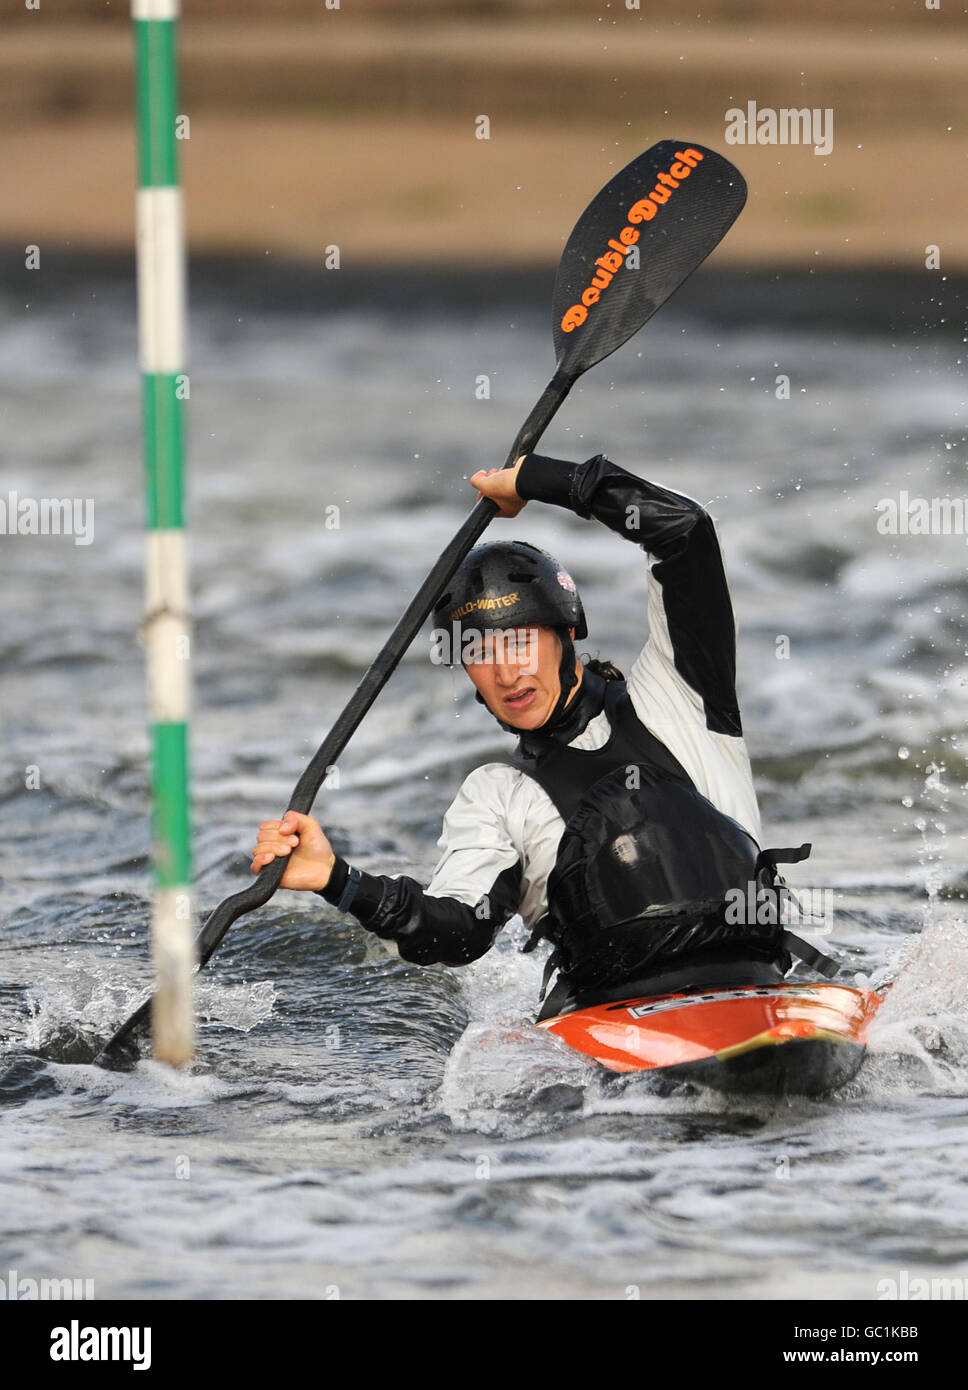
{"x": 780, "y": 1039}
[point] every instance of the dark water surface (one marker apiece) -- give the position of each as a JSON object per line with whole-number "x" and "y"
{"x": 355, "y": 1123}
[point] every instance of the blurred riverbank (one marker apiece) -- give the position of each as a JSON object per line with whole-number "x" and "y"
{"x": 359, "y": 128}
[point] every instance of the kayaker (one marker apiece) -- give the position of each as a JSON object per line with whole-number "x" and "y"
{"x": 628, "y": 810}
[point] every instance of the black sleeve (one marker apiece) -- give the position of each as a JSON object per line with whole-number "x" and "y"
{"x": 680, "y": 533}
{"x": 427, "y": 929}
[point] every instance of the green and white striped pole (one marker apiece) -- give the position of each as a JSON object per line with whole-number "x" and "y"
{"x": 161, "y": 326}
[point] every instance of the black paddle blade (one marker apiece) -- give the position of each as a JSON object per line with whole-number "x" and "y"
{"x": 672, "y": 205}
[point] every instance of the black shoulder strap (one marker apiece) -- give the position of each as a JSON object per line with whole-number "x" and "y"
{"x": 816, "y": 959}
{"x": 769, "y": 858}
{"x": 825, "y": 965}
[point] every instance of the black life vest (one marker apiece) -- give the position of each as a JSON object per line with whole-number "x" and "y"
{"x": 644, "y": 865}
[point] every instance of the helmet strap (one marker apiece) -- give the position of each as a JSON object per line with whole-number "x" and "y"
{"x": 566, "y": 678}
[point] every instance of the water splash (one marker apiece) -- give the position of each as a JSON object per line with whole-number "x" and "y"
{"x": 505, "y": 1075}
{"x": 241, "y": 1007}
{"x": 919, "y": 1037}
{"x": 69, "y": 1019}
{"x": 933, "y": 830}
{"x": 511, "y": 1078}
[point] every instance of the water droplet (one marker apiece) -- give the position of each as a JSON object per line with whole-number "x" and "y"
{"x": 903, "y": 753}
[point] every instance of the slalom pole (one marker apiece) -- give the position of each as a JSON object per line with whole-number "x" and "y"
{"x": 161, "y": 333}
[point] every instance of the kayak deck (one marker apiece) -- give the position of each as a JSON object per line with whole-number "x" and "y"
{"x": 796, "y": 1039}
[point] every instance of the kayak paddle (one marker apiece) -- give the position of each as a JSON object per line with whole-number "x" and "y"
{"x": 637, "y": 241}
